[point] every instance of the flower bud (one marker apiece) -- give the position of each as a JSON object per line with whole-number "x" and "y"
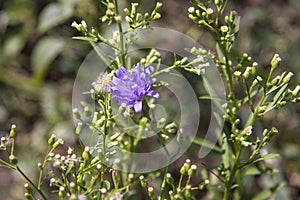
{"x": 158, "y": 6}
{"x": 83, "y": 23}
{"x": 75, "y": 25}
{"x": 296, "y": 91}
{"x": 191, "y": 10}
{"x": 103, "y": 190}
{"x": 133, "y": 8}
{"x": 78, "y": 128}
{"x": 62, "y": 192}
{"x": 118, "y": 18}
{"x": 127, "y": 12}
{"x": 246, "y": 74}
{"x": 232, "y": 15}
{"x": 27, "y": 188}
{"x": 169, "y": 179}
{"x": 128, "y": 20}
{"x": 13, "y": 159}
{"x": 52, "y": 139}
{"x": 130, "y": 177}
{"x": 254, "y": 68}
{"x": 187, "y": 191}
{"x": 143, "y": 181}
{"x": 76, "y": 113}
{"x": 192, "y": 171}
{"x": 110, "y": 6}
{"x": 13, "y": 132}
{"x": 57, "y": 143}
{"x": 275, "y": 61}
{"x": 150, "y": 192}
{"x": 288, "y": 77}
{"x": 86, "y": 154}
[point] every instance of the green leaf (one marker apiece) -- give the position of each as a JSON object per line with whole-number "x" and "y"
{"x": 267, "y": 156}
{"x": 219, "y": 52}
{"x": 107, "y": 183}
{"x": 256, "y": 171}
{"x": 252, "y": 171}
{"x": 206, "y": 143}
{"x": 54, "y": 14}
{"x": 43, "y": 54}
{"x": 237, "y": 23}
{"x": 13, "y": 45}
{"x": 274, "y": 88}
{"x": 268, "y": 193}
{"x": 278, "y": 95}
{"x": 84, "y": 38}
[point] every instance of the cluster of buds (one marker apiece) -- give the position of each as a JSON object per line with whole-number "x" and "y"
{"x": 64, "y": 162}
{"x": 201, "y": 62}
{"x": 182, "y": 191}
{"x": 111, "y": 14}
{"x": 137, "y": 20}
{"x": 54, "y": 141}
{"x": 171, "y": 128}
{"x": 28, "y": 191}
{"x": 92, "y": 34}
{"x": 4, "y": 142}
{"x": 267, "y": 135}
{"x": 204, "y": 18}
{"x": 151, "y": 58}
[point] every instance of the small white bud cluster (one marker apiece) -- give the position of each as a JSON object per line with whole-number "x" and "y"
{"x": 64, "y": 162}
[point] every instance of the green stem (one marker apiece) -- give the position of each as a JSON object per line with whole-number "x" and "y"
{"x": 122, "y": 52}
{"x": 42, "y": 168}
{"x": 33, "y": 185}
{"x": 229, "y": 183}
{"x": 6, "y": 164}
{"x": 163, "y": 184}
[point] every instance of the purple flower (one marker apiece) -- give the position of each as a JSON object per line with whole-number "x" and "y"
{"x": 130, "y": 88}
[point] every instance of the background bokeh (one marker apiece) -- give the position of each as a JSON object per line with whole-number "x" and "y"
{"x": 39, "y": 61}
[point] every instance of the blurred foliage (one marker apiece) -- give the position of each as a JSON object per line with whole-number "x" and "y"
{"x": 39, "y": 60}
{"x": 38, "y": 64}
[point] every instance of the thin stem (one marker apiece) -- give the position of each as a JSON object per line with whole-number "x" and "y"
{"x": 163, "y": 184}
{"x": 33, "y": 185}
{"x": 42, "y": 168}
{"x": 122, "y": 52}
{"x": 232, "y": 175}
{"x": 6, "y": 164}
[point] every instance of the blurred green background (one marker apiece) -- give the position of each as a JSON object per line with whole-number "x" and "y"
{"x": 39, "y": 61}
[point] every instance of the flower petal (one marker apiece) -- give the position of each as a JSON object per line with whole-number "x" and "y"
{"x": 138, "y": 106}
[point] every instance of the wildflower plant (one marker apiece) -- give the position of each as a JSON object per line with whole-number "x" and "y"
{"x": 129, "y": 131}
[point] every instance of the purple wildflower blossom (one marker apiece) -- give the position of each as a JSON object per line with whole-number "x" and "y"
{"x": 130, "y": 88}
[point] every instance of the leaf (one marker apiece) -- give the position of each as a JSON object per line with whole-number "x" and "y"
{"x": 55, "y": 14}
{"x": 278, "y": 95}
{"x": 267, "y": 156}
{"x": 252, "y": 171}
{"x": 43, "y": 54}
{"x": 107, "y": 183}
{"x": 13, "y": 45}
{"x": 268, "y": 193}
{"x": 84, "y": 38}
{"x": 219, "y": 52}
{"x": 274, "y": 88}
{"x": 237, "y": 23}
{"x": 206, "y": 143}
{"x": 256, "y": 171}
{"x": 101, "y": 54}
